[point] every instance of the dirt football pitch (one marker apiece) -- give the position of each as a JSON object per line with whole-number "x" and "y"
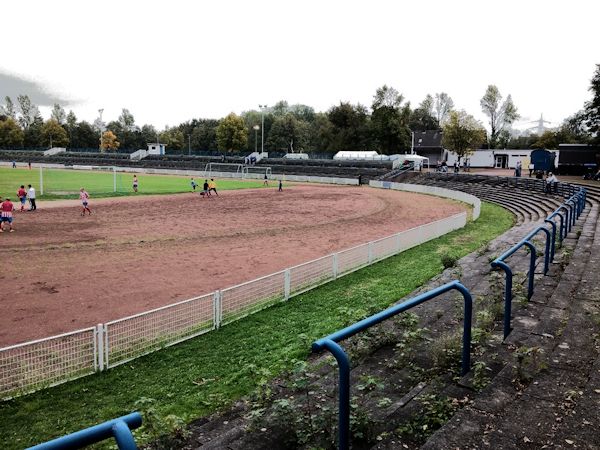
{"x": 61, "y": 272}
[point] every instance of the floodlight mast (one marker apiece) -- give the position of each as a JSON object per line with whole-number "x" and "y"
{"x": 100, "y": 111}
{"x": 262, "y": 131}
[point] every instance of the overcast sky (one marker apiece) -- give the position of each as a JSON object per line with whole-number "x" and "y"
{"x": 171, "y": 61}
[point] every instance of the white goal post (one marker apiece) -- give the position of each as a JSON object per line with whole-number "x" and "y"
{"x": 223, "y": 167}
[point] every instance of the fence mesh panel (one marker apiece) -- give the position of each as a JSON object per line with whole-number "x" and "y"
{"x": 410, "y": 238}
{"x": 311, "y": 274}
{"x": 385, "y": 247}
{"x": 39, "y": 364}
{"x": 352, "y": 258}
{"x": 134, "y": 336}
{"x": 247, "y": 298}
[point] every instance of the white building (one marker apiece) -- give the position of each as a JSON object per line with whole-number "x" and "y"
{"x": 156, "y": 148}
{"x": 498, "y": 158}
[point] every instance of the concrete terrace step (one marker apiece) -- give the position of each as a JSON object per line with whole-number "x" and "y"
{"x": 556, "y": 406}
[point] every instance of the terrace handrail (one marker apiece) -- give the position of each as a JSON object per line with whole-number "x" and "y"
{"x": 119, "y": 429}
{"x": 575, "y": 204}
{"x": 331, "y": 343}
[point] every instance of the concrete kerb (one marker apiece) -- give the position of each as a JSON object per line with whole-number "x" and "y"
{"x": 432, "y": 190}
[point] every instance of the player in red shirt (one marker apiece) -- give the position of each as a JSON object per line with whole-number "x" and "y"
{"x": 84, "y": 197}
{"x": 6, "y": 216}
{"x": 22, "y": 195}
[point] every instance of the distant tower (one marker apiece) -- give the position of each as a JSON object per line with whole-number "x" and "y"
{"x": 539, "y": 128}
{"x": 540, "y": 125}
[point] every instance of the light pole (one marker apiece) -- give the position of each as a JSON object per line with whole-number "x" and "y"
{"x": 189, "y": 145}
{"x": 262, "y": 130}
{"x": 100, "y": 111}
{"x": 255, "y": 128}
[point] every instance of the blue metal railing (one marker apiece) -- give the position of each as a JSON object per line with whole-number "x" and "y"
{"x": 331, "y": 343}
{"x": 573, "y": 208}
{"x": 119, "y": 429}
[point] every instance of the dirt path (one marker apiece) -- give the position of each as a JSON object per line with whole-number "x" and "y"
{"x": 62, "y": 271}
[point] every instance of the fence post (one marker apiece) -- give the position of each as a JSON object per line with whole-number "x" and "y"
{"x": 217, "y": 309}
{"x": 106, "y": 349}
{"x": 334, "y": 265}
{"x": 286, "y": 284}
{"x": 100, "y": 347}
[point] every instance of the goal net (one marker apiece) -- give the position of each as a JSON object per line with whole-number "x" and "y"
{"x": 259, "y": 170}
{"x": 68, "y": 181}
{"x": 223, "y": 167}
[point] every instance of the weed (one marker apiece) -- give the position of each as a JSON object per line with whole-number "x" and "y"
{"x": 368, "y": 383}
{"x": 528, "y": 363}
{"x": 480, "y": 375}
{"x": 436, "y": 412}
{"x": 448, "y": 260}
{"x": 445, "y": 351}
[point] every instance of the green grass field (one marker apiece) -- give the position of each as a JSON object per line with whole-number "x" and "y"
{"x": 65, "y": 184}
{"x": 205, "y": 374}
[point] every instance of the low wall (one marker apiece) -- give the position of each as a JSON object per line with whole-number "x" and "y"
{"x": 433, "y": 190}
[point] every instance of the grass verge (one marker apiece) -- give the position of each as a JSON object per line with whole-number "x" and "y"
{"x": 205, "y": 374}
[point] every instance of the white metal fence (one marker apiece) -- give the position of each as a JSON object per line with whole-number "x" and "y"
{"x": 38, "y": 364}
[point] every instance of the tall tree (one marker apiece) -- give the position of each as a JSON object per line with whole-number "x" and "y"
{"x": 53, "y": 134}
{"x": 84, "y": 135}
{"x": 442, "y": 106}
{"x": 8, "y": 109}
{"x": 33, "y": 133}
{"x": 422, "y": 118}
{"x": 58, "y": 114}
{"x": 387, "y": 96}
{"x": 109, "y": 142}
{"x": 592, "y": 107}
{"x": 390, "y": 121}
{"x": 462, "y": 133}
{"x": 231, "y": 134}
{"x": 501, "y": 113}
{"x": 204, "y": 135}
{"x": 349, "y": 128}
{"x": 71, "y": 124}
{"x": 173, "y": 139}
{"x": 288, "y": 134}
{"x": 126, "y": 120}
{"x": 11, "y": 135}
{"x": 28, "y": 111}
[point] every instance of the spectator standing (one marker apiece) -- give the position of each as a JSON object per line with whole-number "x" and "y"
{"x": 530, "y": 167}
{"x": 194, "y": 184}
{"x": 31, "y": 196}
{"x": 14, "y": 164}
{"x": 6, "y": 216}
{"x": 551, "y": 183}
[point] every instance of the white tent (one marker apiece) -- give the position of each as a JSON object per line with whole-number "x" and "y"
{"x": 372, "y": 155}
